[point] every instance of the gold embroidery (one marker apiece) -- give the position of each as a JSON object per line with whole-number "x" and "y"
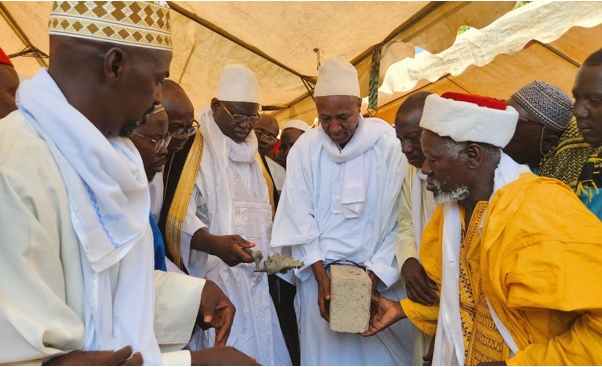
{"x": 270, "y": 184}
{"x": 181, "y": 199}
{"x": 482, "y": 340}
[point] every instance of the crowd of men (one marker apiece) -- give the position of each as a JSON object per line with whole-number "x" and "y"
{"x": 127, "y": 216}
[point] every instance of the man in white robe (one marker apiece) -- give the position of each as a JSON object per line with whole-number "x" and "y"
{"x": 76, "y": 271}
{"x": 231, "y": 207}
{"x": 339, "y": 202}
{"x": 416, "y": 207}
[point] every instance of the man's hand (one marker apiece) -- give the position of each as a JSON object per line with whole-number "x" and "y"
{"x": 216, "y": 311}
{"x": 428, "y": 357}
{"x": 323, "y": 289}
{"x": 221, "y": 356}
{"x": 227, "y": 248}
{"x": 420, "y": 287}
{"x": 122, "y": 357}
{"x": 387, "y": 313}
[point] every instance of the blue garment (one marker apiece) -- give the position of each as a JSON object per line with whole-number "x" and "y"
{"x": 159, "y": 246}
{"x": 593, "y": 202}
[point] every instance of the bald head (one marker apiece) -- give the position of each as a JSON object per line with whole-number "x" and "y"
{"x": 267, "y": 130}
{"x": 9, "y": 81}
{"x": 407, "y": 127}
{"x": 180, "y": 111}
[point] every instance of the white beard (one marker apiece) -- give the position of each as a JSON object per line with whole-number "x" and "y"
{"x": 457, "y": 194}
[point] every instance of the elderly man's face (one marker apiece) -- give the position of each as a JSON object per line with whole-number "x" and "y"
{"x": 181, "y": 118}
{"x": 587, "y": 92}
{"x": 447, "y": 172}
{"x": 288, "y": 138}
{"x": 9, "y": 82}
{"x": 339, "y": 116}
{"x": 155, "y": 128}
{"x": 228, "y": 114}
{"x": 267, "y": 130}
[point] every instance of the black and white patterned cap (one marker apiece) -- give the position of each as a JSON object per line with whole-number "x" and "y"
{"x": 547, "y": 103}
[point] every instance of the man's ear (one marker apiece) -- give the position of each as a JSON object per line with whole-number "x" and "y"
{"x": 114, "y": 65}
{"x": 550, "y": 141}
{"x": 215, "y": 103}
{"x": 475, "y": 155}
{"x": 359, "y": 105}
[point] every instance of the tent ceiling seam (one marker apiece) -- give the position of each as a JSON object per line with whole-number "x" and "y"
{"x": 212, "y": 27}
{"x": 20, "y": 34}
{"x": 557, "y": 52}
{"x": 186, "y": 63}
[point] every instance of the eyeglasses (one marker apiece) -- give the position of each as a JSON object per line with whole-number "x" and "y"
{"x": 180, "y": 131}
{"x": 239, "y": 119}
{"x": 159, "y": 144}
{"x": 270, "y": 139}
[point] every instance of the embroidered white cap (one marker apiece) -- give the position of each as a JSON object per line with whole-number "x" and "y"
{"x": 297, "y": 124}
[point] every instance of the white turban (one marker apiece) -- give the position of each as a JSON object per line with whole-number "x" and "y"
{"x": 469, "y": 117}
{"x": 237, "y": 83}
{"x": 297, "y": 124}
{"x": 337, "y": 77}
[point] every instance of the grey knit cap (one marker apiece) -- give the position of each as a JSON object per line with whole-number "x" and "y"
{"x": 547, "y": 103}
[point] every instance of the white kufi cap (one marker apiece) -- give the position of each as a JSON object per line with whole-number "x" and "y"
{"x": 237, "y": 83}
{"x": 297, "y": 124}
{"x": 469, "y": 117}
{"x": 337, "y": 77}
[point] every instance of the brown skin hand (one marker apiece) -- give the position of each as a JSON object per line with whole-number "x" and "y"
{"x": 587, "y": 92}
{"x": 9, "y": 82}
{"x": 112, "y": 86}
{"x": 407, "y": 127}
{"x": 180, "y": 110}
{"x": 154, "y": 128}
{"x": 236, "y": 132}
{"x": 527, "y": 145}
{"x": 268, "y": 125}
{"x": 121, "y": 357}
{"x": 288, "y": 138}
{"x": 339, "y": 117}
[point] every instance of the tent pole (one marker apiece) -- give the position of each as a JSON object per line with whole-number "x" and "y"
{"x": 19, "y": 32}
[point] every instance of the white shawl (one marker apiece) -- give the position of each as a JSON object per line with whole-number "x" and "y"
{"x": 110, "y": 204}
{"x": 222, "y": 149}
{"x": 449, "y": 344}
{"x": 353, "y": 191}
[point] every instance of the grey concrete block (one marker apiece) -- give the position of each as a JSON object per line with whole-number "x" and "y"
{"x": 350, "y": 291}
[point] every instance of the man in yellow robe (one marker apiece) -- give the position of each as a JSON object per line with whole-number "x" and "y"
{"x": 517, "y": 257}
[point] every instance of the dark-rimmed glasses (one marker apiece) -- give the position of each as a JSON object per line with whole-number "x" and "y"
{"x": 270, "y": 139}
{"x": 188, "y": 131}
{"x": 159, "y": 144}
{"x": 239, "y": 119}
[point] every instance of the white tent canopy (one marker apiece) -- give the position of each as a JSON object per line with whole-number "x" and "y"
{"x": 275, "y": 39}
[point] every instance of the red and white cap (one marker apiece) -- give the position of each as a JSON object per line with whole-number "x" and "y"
{"x": 470, "y": 117}
{"x": 4, "y": 59}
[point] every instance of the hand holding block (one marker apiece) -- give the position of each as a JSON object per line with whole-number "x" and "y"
{"x": 350, "y": 291}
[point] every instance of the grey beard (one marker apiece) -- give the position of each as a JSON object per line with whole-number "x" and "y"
{"x": 457, "y": 194}
{"x": 129, "y": 128}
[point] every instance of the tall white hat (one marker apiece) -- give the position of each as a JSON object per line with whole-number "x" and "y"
{"x": 237, "y": 83}
{"x": 337, "y": 77}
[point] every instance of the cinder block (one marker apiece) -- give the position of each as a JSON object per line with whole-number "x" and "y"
{"x": 350, "y": 290}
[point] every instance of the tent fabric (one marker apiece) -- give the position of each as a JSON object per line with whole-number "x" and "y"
{"x": 542, "y": 21}
{"x": 286, "y": 31}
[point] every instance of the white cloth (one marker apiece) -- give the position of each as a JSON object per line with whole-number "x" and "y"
{"x": 296, "y": 124}
{"x": 337, "y": 77}
{"x": 464, "y": 121}
{"x": 156, "y": 188}
{"x": 278, "y": 173}
{"x": 41, "y": 279}
{"x": 231, "y": 197}
{"x": 109, "y": 202}
{"x": 308, "y": 227}
{"x": 417, "y": 221}
{"x": 449, "y": 344}
{"x": 237, "y": 83}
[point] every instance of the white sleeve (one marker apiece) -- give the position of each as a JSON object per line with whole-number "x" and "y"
{"x": 177, "y": 302}
{"x": 177, "y": 358}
